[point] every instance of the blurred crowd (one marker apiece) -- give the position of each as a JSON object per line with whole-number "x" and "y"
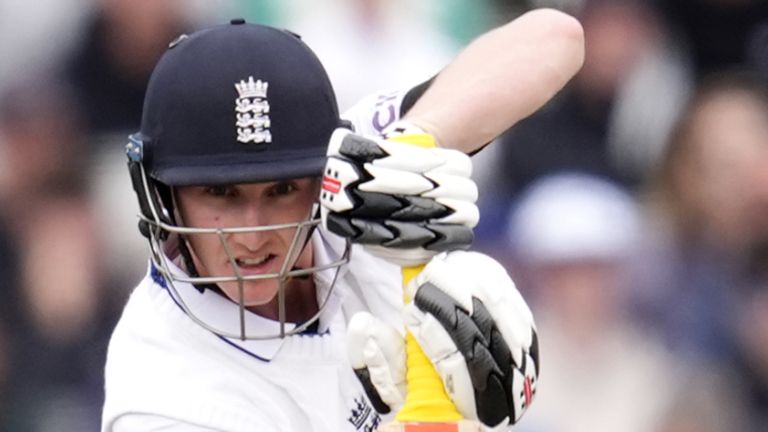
{"x": 632, "y": 210}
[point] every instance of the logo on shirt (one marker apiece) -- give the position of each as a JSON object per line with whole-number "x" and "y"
{"x": 252, "y": 109}
{"x": 363, "y": 417}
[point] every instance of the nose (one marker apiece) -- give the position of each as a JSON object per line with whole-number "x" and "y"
{"x": 253, "y": 216}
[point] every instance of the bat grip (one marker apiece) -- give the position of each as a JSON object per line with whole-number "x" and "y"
{"x": 426, "y": 400}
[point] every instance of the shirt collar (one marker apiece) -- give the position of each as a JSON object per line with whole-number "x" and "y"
{"x": 224, "y": 315}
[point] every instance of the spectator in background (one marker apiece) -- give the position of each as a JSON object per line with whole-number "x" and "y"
{"x": 710, "y": 205}
{"x": 5, "y": 372}
{"x": 65, "y": 322}
{"x": 703, "y": 277}
{"x": 110, "y": 68}
{"x": 751, "y": 359}
{"x": 8, "y": 312}
{"x": 39, "y": 154}
{"x": 573, "y": 237}
{"x": 54, "y": 323}
{"x": 719, "y": 34}
{"x": 41, "y": 143}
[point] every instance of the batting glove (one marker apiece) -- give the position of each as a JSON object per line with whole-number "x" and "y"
{"x": 377, "y": 355}
{"x": 404, "y": 202}
{"x": 475, "y": 328}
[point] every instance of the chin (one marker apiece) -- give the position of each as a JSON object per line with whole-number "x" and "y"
{"x": 256, "y": 293}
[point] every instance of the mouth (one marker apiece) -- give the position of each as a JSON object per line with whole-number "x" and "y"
{"x": 255, "y": 265}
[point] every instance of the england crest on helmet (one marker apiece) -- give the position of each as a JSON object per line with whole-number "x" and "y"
{"x": 252, "y": 111}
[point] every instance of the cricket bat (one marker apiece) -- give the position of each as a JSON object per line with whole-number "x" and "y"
{"x": 427, "y": 406}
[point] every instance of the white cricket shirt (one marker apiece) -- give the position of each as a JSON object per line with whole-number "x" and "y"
{"x": 165, "y": 372}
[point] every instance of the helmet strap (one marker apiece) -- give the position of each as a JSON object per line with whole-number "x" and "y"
{"x": 168, "y": 199}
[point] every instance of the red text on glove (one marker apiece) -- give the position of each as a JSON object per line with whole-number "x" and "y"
{"x": 331, "y": 184}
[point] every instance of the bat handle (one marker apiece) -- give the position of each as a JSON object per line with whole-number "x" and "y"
{"x": 426, "y": 400}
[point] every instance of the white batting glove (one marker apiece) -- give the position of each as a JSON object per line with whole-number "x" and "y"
{"x": 377, "y": 355}
{"x": 404, "y": 202}
{"x": 475, "y": 327}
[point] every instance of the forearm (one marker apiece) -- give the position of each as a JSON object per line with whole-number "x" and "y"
{"x": 500, "y": 78}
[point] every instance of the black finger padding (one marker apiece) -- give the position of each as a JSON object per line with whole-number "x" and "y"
{"x": 477, "y": 339}
{"x": 361, "y": 149}
{"x": 419, "y": 209}
{"x": 450, "y": 237}
{"x": 400, "y": 235}
{"x": 534, "y": 351}
{"x": 340, "y": 225}
{"x": 376, "y": 205}
{"x": 408, "y": 235}
{"x": 373, "y": 395}
{"x": 371, "y": 232}
{"x": 373, "y": 205}
{"x": 499, "y": 349}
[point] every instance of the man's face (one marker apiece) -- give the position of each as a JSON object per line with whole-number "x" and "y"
{"x": 727, "y": 180}
{"x": 255, "y": 253}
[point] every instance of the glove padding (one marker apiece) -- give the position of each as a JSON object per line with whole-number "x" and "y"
{"x": 475, "y": 328}
{"x": 377, "y": 355}
{"x": 404, "y": 202}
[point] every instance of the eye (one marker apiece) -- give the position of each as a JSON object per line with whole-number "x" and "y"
{"x": 283, "y": 188}
{"x": 220, "y": 191}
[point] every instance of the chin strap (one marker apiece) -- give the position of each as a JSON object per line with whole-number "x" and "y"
{"x": 189, "y": 265}
{"x": 168, "y": 201}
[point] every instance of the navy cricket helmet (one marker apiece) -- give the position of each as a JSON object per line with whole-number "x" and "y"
{"x": 237, "y": 103}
